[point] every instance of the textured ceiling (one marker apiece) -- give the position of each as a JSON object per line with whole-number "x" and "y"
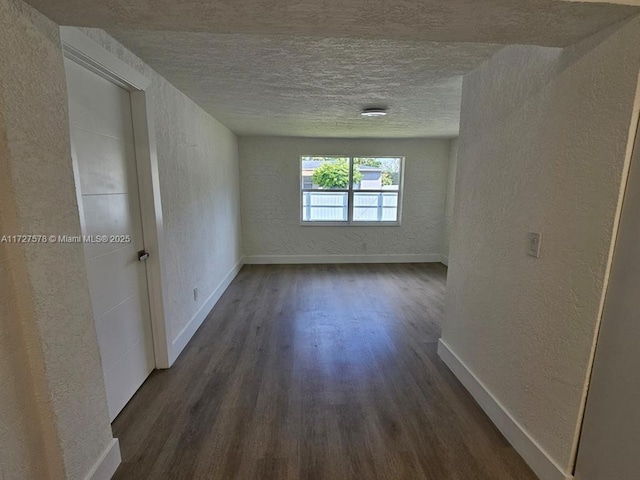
{"x": 539, "y": 22}
{"x": 306, "y": 67}
{"x": 306, "y": 86}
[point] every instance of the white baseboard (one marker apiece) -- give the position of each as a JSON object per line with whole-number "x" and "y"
{"x": 532, "y": 453}
{"x": 305, "y": 259}
{"x": 107, "y": 464}
{"x": 444, "y": 259}
{"x": 190, "y": 329}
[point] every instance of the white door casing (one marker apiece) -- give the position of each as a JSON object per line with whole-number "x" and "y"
{"x": 106, "y": 177}
{"x": 83, "y": 50}
{"x": 610, "y": 436}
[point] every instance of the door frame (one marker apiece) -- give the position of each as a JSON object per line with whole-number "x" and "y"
{"x": 83, "y": 50}
{"x": 633, "y": 146}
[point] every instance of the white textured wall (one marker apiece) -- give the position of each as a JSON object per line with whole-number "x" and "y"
{"x": 54, "y": 422}
{"x": 199, "y": 186}
{"x": 451, "y": 188}
{"x": 543, "y": 143}
{"x": 21, "y": 440}
{"x": 270, "y": 186}
{"x": 52, "y": 392}
{"x": 611, "y": 437}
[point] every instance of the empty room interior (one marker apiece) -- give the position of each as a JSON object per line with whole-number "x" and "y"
{"x": 319, "y": 240}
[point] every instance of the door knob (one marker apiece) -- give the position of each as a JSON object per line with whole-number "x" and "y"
{"x": 143, "y": 255}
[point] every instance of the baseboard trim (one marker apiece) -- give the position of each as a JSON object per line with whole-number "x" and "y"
{"x": 107, "y": 464}
{"x": 183, "y": 338}
{"x": 307, "y": 259}
{"x": 532, "y": 453}
{"x": 444, "y": 259}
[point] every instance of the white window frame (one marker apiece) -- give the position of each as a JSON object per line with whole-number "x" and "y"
{"x": 350, "y": 194}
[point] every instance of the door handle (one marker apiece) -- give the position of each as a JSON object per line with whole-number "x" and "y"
{"x": 142, "y": 255}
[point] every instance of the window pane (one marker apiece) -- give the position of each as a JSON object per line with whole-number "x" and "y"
{"x": 325, "y": 206}
{"x": 376, "y": 173}
{"x": 375, "y": 206}
{"x": 325, "y": 173}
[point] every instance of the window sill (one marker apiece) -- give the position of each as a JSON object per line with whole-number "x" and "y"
{"x": 350, "y": 224}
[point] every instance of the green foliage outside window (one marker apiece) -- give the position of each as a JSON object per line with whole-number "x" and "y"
{"x": 335, "y": 175}
{"x": 368, "y": 162}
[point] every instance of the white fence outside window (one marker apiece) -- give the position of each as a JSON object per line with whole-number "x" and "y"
{"x": 333, "y": 206}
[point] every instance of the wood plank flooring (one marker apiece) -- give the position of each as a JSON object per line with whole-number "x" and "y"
{"x": 315, "y": 372}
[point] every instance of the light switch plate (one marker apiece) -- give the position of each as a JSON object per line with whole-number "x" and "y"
{"x": 535, "y": 241}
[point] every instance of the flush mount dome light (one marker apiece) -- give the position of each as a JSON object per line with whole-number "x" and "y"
{"x": 374, "y": 112}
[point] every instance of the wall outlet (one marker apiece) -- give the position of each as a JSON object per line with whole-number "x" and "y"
{"x": 535, "y": 241}
{"x": 195, "y": 294}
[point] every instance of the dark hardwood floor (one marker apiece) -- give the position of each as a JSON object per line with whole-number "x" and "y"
{"x": 315, "y": 372}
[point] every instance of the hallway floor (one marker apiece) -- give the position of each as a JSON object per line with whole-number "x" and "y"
{"x": 315, "y": 372}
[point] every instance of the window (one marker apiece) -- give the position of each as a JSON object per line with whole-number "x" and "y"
{"x": 351, "y": 190}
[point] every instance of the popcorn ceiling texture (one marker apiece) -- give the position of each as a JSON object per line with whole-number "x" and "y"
{"x": 538, "y": 22}
{"x": 52, "y": 393}
{"x": 542, "y": 148}
{"x": 306, "y": 67}
{"x": 199, "y": 186}
{"x": 270, "y": 186}
{"x": 315, "y": 87}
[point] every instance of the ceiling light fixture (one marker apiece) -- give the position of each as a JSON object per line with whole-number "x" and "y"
{"x": 374, "y": 112}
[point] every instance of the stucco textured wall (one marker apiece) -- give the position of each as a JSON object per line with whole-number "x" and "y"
{"x": 54, "y": 415}
{"x": 610, "y": 437}
{"x": 270, "y": 186}
{"x": 22, "y": 443}
{"x": 451, "y": 188}
{"x": 56, "y": 400}
{"x": 543, "y": 144}
{"x": 199, "y": 186}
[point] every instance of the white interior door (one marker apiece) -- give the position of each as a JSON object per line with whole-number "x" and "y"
{"x": 106, "y": 177}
